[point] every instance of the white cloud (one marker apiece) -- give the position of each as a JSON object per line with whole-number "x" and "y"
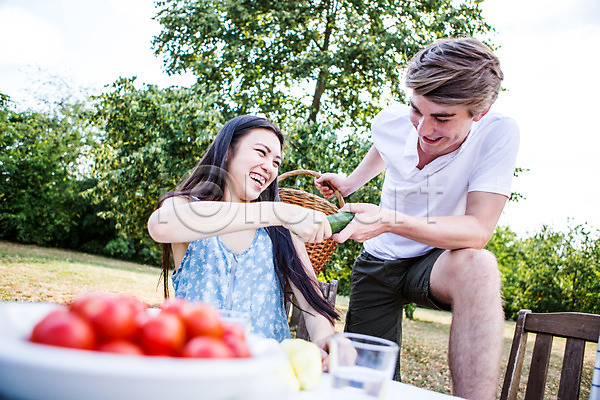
{"x": 27, "y": 39}
{"x": 549, "y": 59}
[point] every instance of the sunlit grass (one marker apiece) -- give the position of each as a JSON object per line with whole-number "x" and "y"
{"x": 30, "y": 273}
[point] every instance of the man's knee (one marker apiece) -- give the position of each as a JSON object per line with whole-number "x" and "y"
{"x": 466, "y": 271}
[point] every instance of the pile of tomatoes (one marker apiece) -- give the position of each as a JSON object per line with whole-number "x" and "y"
{"x": 122, "y": 324}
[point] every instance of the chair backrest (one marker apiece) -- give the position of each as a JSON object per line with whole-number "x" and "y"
{"x": 329, "y": 290}
{"x": 577, "y": 328}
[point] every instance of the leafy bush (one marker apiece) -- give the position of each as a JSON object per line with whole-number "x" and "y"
{"x": 549, "y": 271}
{"x": 41, "y": 188}
{"x": 151, "y": 138}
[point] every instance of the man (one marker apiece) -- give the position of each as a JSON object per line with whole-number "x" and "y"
{"x": 448, "y": 166}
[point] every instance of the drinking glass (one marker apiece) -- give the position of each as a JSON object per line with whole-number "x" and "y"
{"x": 360, "y": 365}
{"x": 237, "y": 317}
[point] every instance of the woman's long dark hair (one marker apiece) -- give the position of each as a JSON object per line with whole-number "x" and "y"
{"x": 207, "y": 182}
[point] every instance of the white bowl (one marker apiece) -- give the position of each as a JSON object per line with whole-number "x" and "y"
{"x": 30, "y": 371}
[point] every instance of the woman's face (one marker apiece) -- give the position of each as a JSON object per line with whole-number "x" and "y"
{"x": 253, "y": 166}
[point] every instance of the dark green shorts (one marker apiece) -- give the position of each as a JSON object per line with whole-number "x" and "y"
{"x": 380, "y": 289}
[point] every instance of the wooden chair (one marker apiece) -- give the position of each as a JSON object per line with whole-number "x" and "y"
{"x": 319, "y": 253}
{"x": 577, "y": 328}
{"x": 329, "y": 290}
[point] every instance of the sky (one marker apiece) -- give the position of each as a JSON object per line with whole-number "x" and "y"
{"x": 549, "y": 55}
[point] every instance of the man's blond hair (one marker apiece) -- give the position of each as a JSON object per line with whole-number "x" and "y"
{"x": 461, "y": 71}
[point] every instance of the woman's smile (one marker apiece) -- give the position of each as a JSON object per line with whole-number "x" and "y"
{"x": 258, "y": 179}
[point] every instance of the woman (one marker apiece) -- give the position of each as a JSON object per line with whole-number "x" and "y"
{"x": 230, "y": 235}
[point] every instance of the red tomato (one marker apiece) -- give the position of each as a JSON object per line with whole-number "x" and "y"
{"x": 88, "y": 305}
{"x": 134, "y": 303}
{"x": 111, "y": 317}
{"x": 63, "y": 328}
{"x": 202, "y": 320}
{"x": 175, "y": 306}
{"x": 121, "y": 346}
{"x": 163, "y": 334}
{"x": 235, "y": 337}
{"x": 206, "y": 347}
{"x": 232, "y": 329}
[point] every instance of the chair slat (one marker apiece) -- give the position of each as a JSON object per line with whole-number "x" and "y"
{"x": 302, "y": 331}
{"x": 331, "y": 291}
{"x": 540, "y": 360}
{"x": 567, "y": 324}
{"x": 570, "y": 377}
{"x": 515, "y": 361}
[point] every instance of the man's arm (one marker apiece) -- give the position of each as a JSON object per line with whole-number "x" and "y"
{"x": 370, "y": 166}
{"x": 472, "y": 230}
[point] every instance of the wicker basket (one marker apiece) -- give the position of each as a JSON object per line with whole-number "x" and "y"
{"x": 319, "y": 253}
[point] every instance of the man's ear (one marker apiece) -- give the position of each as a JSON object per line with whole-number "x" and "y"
{"x": 480, "y": 115}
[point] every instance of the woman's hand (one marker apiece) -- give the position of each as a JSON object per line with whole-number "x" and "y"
{"x": 323, "y": 344}
{"x": 309, "y": 225}
{"x": 369, "y": 221}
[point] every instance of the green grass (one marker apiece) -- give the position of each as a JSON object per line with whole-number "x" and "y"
{"x": 31, "y": 273}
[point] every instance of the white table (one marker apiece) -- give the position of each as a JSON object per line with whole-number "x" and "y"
{"x": 395, "y": 390}
{"x": 61, "y": 374}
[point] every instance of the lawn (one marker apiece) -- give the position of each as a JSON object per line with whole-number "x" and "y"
{"x": 31, "y": 273}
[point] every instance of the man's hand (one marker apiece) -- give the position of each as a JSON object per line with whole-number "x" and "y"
{"x": 328, "y": 182}
{"x": 369, "y": 221}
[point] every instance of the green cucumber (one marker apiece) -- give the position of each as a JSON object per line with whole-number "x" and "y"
{"x": 339, "y": 221}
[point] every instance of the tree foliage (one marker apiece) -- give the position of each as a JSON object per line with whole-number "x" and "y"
{"x": 41, "y": 180}
{"x": 549, "y": 271}
{"x": 151, "y": 138}
{"x": 301, "y": 58}
{"x": 324, "y": 64}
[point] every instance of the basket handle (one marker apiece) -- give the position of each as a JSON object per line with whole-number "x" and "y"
{"x": 337, "y": 193}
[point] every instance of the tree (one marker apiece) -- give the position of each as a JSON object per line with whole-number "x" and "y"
{"x": 151, "y": 138}
{"x": 549, "y": 271}
{"x": 301, "y": 58}
{"x": 315, "y": 67}
{"x": 41, "y": 183}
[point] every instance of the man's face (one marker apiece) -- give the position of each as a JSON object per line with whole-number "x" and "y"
{"x": 441, "y": 128}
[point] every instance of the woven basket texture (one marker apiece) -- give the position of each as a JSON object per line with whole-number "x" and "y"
{"x": 319, "y": 253}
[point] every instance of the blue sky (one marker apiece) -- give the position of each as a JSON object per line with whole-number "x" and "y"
{"x": 549, "y": 56}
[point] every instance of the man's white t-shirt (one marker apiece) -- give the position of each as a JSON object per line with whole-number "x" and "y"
{"x": 484, "y": 162}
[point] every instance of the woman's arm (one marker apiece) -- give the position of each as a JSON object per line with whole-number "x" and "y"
{"x": 181, "y": 220}
{"x": 319, "y": 328}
